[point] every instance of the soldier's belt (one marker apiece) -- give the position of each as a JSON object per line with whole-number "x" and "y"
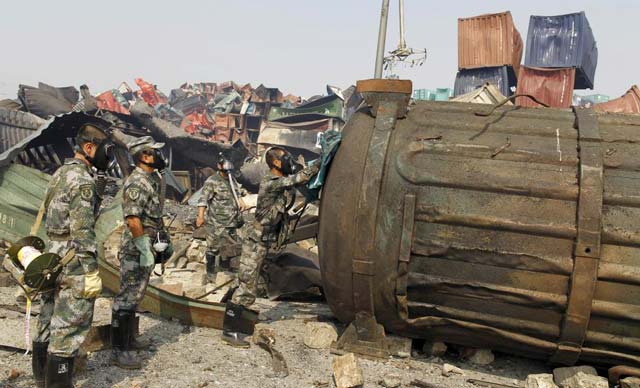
{"x": 59, "y": 237}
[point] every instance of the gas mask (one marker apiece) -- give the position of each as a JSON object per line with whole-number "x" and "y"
{"x": 104, "y": 155}
{"x": 288, "y": 165}
{"x": 159, "y": 161}
{"x": 226, "y": 164}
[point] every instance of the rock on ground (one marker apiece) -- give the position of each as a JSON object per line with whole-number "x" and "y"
{"x": 347, "y": 372}
{"x": 630, "y": 382}
{"x": 320, "y": 335}
{"x": 434, "y": 349}
{"x": 584, "y": 380}
{"x": 540, "y": 381}
{"x": 562, "y": 374}
{"x": 482, "y": 357}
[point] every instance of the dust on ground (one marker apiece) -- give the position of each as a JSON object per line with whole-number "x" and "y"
{"x": 185, "y": 356}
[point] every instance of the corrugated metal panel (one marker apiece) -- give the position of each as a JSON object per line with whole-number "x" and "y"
{"x": 21, "y": 189}
{"x": 628, "y": 103}
{"x": 15, "y": 126}
{"x": 563, "y": 41}
{"x": 554, "y": 87}
{"x": 486, "y": 94}
{"x": 502, "y": 77}
{"x": 290, "y": 137}
{"x": 488, "y": 40}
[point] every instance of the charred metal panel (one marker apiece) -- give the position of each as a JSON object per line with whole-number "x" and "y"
{"x": 477, "y": 225}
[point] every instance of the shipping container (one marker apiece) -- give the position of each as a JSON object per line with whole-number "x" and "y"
{"x": 563, "y": 41}
{"x": 489, "y": 40}
{"x": 628, "y": 103}
{"x": 554, "y": 87}
{"x": 502, "y": 77}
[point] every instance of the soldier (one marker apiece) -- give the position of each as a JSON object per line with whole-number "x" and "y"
{"x": 142, "y": 211}
{"x": 271, "y": 216}
{"x": 223, "y": 215}
{"x": 66, "y": 313}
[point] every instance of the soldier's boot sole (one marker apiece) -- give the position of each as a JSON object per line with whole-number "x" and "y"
{"x": 234, "y": 340}
{"x": 125, "y": 360}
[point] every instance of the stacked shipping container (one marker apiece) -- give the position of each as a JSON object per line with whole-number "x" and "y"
{"x": 561, "y": 56}
{"x": 489, "y": 50}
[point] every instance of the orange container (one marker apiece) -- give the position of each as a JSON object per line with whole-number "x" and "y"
{"x": 489, "y": 40}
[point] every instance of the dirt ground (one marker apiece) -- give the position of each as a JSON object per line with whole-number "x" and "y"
{"x": 184, "y": 356}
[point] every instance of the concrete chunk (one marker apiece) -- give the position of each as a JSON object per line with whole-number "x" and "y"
{"x": 347, "y": 372}
{"x": 482, "y": 357}
{"x": 584, "y": 380}
{"x": 319, "y": 335}
{"x": 540, "y": 381}
{"x": 562, "y": 374}
{"x": 435, "y": 349}
{"x": 630, "y": 382}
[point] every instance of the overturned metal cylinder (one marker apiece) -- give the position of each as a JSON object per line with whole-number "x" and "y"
{"x": 518, "y": 230}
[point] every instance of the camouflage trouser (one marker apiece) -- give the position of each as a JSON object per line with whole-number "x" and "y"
{"x": 254, "y": 251}
{"x": 133, "y": 282}
{"x": 218, "y": 238}
{"x": 65, "y": 316}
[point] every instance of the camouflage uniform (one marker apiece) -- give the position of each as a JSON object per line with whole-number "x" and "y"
{"x": 275, "y": 192}
{"x": 223, "y": 217}
{"x": 140, "y": 198}
{"x": 65, "y": 314}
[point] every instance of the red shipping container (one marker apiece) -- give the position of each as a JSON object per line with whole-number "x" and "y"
{"x": 554, "y": 87}
{"x": 628, "y": 103}
{"x": 489, "y": 40}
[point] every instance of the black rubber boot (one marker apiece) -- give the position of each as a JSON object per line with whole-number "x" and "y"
{"x": 59, "y": 372}
{"x": 134, "y": 342}
{"x": 238, "y": 322}
{"x": 39, "y": 361}
{"x": 211, "y": 266}
{"x": 121, "y": 334}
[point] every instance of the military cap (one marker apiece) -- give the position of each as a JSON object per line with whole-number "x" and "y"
{"x": 143, "y": 143}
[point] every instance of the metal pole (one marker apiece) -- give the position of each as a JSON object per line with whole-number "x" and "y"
{"x": 403, "y": 44}
{"x": 382, "y": 36}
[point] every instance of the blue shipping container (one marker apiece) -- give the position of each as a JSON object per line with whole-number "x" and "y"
{"x": 563, "y": 41}
{"x": 502, "y": 77}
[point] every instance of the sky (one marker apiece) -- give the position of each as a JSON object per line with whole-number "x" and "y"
{"x": 299, "y": 46}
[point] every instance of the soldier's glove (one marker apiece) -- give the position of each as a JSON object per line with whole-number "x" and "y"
{"x": 143, "y": 243}
{"x": 92, "y": 285}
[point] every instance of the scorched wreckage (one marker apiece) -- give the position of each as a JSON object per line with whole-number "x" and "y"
{"x": 507, "y": 223}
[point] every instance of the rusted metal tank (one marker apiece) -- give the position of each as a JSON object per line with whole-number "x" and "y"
{"x": 516, "y": 230}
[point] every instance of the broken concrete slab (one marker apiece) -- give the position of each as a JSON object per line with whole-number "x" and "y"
{"x": 347, "y": 372}
{"x": 562, "y": 374}
{"x": 320, "y": 335}
{"x": 543, "y": 380}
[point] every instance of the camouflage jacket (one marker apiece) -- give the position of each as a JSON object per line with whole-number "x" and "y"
{"x": 222, "y": 209}
{"x": 275, "y": 192}
{"x": 141, "y": 198}
{"x": 70, "y": 213}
